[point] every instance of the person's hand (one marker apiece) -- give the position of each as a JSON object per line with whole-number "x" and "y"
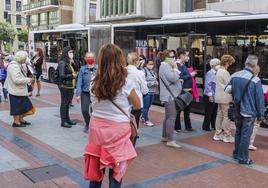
{"x": 211, "y": 99}
{"x": 181, "y": 81}
{"x": 78, "y": 99}
{"x": 174, "y": 66}
{"x": 193, "y": 73}
{"x": 74, "y": 75}
{"x": 258, "y": 122}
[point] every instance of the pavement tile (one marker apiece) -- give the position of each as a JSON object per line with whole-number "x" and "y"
{"x": 226, "y": 176}
{"x": 205, "y": 141}
{"x": 157, "y": 160}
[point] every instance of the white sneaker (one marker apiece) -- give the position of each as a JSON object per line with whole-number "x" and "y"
{"x": 163, "y": 139}
{"x": 173, "y": 144}
{"x": 228, "y": 139}
{"x": 217, "y": 137}
{"x": 253, "y": 148}
{"x": 149, "y": 124}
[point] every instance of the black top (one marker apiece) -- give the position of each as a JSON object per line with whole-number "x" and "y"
{"x": 38, "y": 62}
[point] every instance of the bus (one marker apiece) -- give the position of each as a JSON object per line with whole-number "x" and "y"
{"x": 80, "y": 38}
{"x": 205, "y": 35}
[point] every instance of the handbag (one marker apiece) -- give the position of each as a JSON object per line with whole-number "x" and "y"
{"x": 234, "y": 106}
{"x": 133, "y": 124}
{"x": 182, "y": 100}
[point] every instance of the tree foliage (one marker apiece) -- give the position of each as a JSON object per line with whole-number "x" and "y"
{"x": 23, "y": 35}
{"x": 7, "y": 31}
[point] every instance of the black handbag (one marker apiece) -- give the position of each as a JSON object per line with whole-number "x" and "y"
{"x": 182, "y": 100}
{"x": 234, "y": 106}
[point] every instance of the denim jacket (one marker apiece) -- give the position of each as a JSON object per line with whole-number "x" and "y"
{"x": 253, "y": 102}
{"x": 85, "y": 76}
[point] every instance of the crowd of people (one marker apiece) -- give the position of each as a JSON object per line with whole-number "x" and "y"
{"x": 111, "y": 87}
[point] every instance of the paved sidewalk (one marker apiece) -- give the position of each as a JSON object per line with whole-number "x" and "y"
{"x": 201, "y": 162}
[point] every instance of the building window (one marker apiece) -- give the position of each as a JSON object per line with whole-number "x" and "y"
{"x": 199, "y": 4}
{"x": 92, "y": 12}
{"x": 8, "y": 4}
{"x": 18, "y": 5}
{"x": 7, "y": 17}
{"x": 43, "y": 18}
{"x": 34, "y": 20}
{"x": 18, "y": 19}
{"x": 54, "y": 18}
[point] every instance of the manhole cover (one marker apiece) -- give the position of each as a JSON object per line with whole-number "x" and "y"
{"x": 44, "y": 173}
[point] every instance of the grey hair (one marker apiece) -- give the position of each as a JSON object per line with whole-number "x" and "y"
{"x": 21, "y": 57}
{"x": 90, "y": 54}
{"x": 252, "y": 60}
{"x": 214, "y": 62}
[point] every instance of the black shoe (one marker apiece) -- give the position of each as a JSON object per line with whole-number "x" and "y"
{"x": 249, "y": 162}
{"x": 66, "y": 125}
{"x": 209, "y": 130}
{"x": 25, "y": 123}
{"x": 71, "y": 122}
{"x": 18, "y": 125}
{"x": 190, "y": 130}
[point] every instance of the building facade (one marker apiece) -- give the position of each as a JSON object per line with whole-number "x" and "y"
{"x": 128, "y": 10}
{"x": 48, "y": 14}
{"x": 11, "y": 11}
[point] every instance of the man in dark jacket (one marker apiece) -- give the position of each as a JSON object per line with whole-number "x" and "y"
{"x": 247, "y": 93}
{"x": 186, "y": 78}
{"x": 67, "y": 77}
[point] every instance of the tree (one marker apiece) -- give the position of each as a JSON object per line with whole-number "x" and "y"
{"x": 23, "y": 35}
{"x": 7, "y": 32}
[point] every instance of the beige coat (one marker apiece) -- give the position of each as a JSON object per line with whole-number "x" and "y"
{"x": 16, "y": 82}
{"x": 222, "y": 79}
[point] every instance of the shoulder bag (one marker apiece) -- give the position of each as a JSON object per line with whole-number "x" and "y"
{"x": 234, "y": 108}
{"x": 182, "y": 100}
{"x": 133, "y": 124}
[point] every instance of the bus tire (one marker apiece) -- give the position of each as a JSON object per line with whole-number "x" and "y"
{"x": 51, "y": 75}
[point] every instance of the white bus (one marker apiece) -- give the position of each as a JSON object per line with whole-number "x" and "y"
{"x": 80, "y": 38}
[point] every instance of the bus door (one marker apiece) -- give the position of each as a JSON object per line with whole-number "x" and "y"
{"x": 197, "y": 45}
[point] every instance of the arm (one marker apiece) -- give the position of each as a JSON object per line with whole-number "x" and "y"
{"x": 17, "y": 76}
{"x": 79, "y": 83}
{"x": 184, "y": 73}
{"x": 134, "y": 100}
{"x": 39, "y": 62}
{"x": 260, "y": 104}
{"x": 62, "y": 74}
{"x": 143, "y": 84}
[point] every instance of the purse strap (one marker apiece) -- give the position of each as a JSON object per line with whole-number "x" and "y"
{"x": 119, "y": 108}
{"x": 245, "y": 88}
{"x": 173, "y": 96}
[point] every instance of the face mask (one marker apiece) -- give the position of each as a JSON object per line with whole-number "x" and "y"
{"x": 90, "y": 60}
{"x": 187, "y": 58}
{"x": 169, "y": 60}
{"x": 217, "y": 67}
{"x": 150, "y": 67}
{"x": 139, "y": 65}
{"x": 71, "y": 55}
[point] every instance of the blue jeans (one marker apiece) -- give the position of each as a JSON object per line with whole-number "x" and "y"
{"x": 147, "y": 102}
{"x": 4, "y": 89}
{"x": 112, "y": 182}
{"x": 244, "y": 128}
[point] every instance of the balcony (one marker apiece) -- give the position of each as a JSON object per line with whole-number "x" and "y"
{"x": 40, "y": 6}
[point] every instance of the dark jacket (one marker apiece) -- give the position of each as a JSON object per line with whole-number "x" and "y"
{"x": 186, "y": 76}
{"x": 65, "y": 71}
{"x": 38, "y": 64}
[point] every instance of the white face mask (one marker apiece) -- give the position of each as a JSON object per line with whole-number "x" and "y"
{"x": 187, "y": 58}
{"x": 71, "y": 55}
{"x": 217, "y": 67}
{"x": 150, "y": 67}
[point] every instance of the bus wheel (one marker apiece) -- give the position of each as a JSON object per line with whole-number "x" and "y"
{"x": 51, "y": 75}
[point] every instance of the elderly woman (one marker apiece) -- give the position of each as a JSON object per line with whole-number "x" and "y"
{"x": 223, "y": 124}
{"x": 209, "y": 96}
{"x": 16, "y": 84}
